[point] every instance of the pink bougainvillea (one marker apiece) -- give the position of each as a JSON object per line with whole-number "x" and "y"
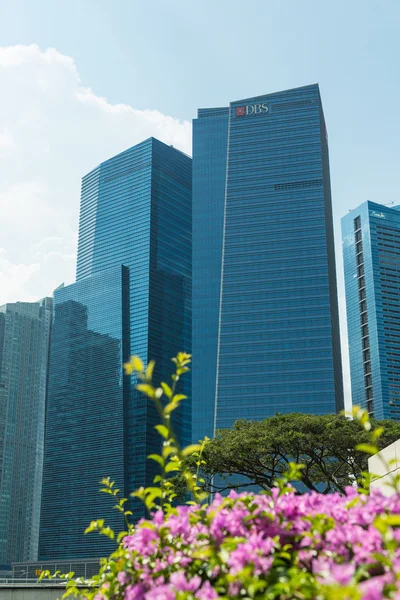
{"x": 276, "y": 546}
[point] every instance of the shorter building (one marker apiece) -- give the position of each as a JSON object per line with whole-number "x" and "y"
{"x": 371, "y": 253}
{"x": 385, "y": 466}
{"x": 132, "y": 296}
{"x": 24, "y": 344}
{"x": 85, "y": 415}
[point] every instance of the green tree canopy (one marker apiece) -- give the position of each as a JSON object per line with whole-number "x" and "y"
{"x": 259, "y": 452}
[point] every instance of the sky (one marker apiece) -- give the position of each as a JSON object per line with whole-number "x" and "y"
{"x": 81, "y": 80}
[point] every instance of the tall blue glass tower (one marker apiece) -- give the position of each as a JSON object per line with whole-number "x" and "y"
{"x": 265, "y": 311}
{"x": 132, "y": 296}
{"x": 371, "y": 253}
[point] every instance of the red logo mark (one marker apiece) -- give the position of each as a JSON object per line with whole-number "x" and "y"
{"x": 240, "y": 111}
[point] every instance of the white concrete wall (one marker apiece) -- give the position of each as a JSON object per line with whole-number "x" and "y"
{"x": 385, "y": 464}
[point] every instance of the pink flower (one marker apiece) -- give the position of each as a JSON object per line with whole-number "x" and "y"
{"x": 134, "y": 592}
{"x": 372, "y": 589}
{"x": 181, "y": 584}
{"x": 145, "y": 541}
{"x": 162, "y": 592}
{"x": 331, "y": 537}
{"x": 123, "y": 578}
{"x": 256, "y": 551}
{"x": 206, "y": 592}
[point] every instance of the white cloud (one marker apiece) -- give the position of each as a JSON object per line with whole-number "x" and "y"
{"x": 53, "y": 130}
{"x": 6, "y": 141}
{"x": 16, "y": 279}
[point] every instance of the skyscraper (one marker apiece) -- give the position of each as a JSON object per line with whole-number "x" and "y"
{"x": 371, "y": 253}
{"x": 24, "y": 342}
{"x": 132, "y": 296}
{"x": 265, "y": 311}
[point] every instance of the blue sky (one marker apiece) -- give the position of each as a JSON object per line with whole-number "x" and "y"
{"x": 171, "y": 57}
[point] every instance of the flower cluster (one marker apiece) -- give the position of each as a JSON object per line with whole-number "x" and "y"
{"x": 275, "y": 546}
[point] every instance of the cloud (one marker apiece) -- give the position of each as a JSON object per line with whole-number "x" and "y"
{"x": 53, "y": 130}
{"x": 16, "y": 279}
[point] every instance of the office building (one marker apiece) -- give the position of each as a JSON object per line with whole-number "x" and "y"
{"x": 24, "y": 343}
{"x": 371, "y": 254}
{"x": 132, "y": 296}
{"x": 265, "y": 310}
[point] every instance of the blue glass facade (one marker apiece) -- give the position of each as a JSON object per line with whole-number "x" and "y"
{"x": 277, "y": 346}
{"x": 135, "y": 216}
{"x": 87, "y": 399}
{"x": 24, "y": 343}
{"x": 371, "y": 253}
{"x": 210, "y": 139}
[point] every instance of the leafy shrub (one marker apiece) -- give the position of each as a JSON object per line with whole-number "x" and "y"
{"x": 273, "y": 546}
{"x": 262, "y": 546}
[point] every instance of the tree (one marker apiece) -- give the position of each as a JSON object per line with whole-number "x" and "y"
{"x": 259, "y": 452}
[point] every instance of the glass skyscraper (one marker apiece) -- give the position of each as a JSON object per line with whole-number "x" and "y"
{"x": 371, "y": 253}
{"x": 24, "y": 343}
{"x": 265, "y": 310}
{"x": 132, "y": 296}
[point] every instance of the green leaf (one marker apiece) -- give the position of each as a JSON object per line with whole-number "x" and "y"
{"x": 134, "y": 365}
{"x": 376, "y": 434}
{"x": 157, "y": 458}
{"x": 191, "y": 449}
{"x": 154, "y": 491}
{"x": 149, "y": 370}
{"x": 108, "y": 532}
{"x": 94, "y": 526}
{"x": 179, "y": 397}
{"x": 137, "y": 364}
{"x": 167, "y": 450}
{"x": 121, "y": 535}
{"x": 167, "y": 389}
{"x": 367, "y": 448}
{"x": 140, "y": 493}
{"x": 172, "y": 466}
{"x": 393, "y": 520}
{"x": 147, "y": 389}
{"x": 170, "y": 407}
{"x": 162, "y": 430}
